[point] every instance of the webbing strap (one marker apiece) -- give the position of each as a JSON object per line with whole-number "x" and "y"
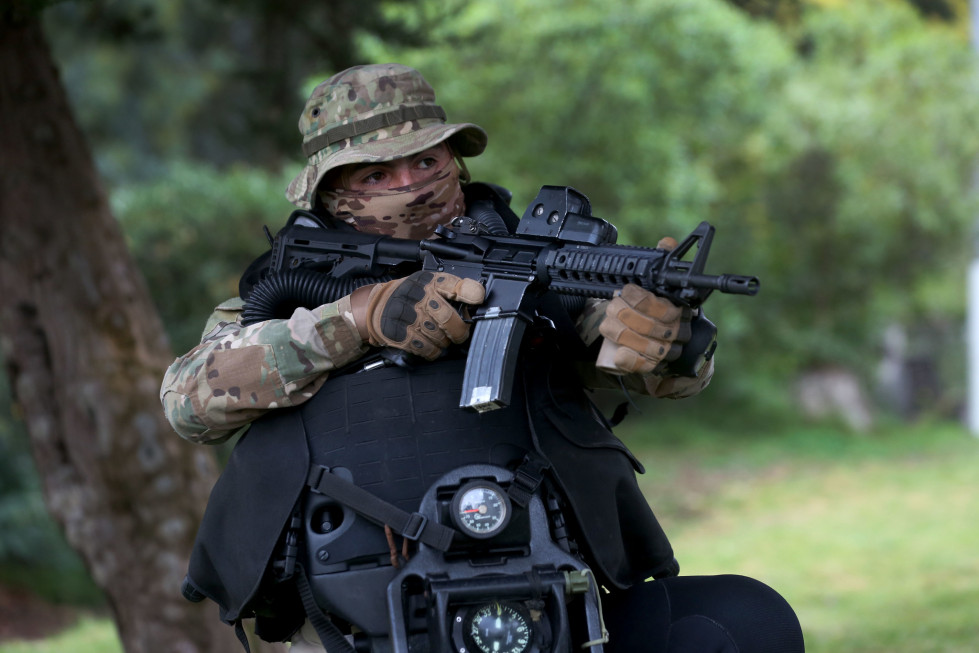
{"x": 527, "y": 478}
{"x": 411, "y": 525}
{"x": 242, "y": 637}
{"x": 380, "y": 121}
{"x": 330, "y": 636}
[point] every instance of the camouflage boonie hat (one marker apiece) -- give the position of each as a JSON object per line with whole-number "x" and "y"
{"x": 367, "y": 114}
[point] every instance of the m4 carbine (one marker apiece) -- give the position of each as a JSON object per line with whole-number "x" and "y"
{"x": 558, "y": 246}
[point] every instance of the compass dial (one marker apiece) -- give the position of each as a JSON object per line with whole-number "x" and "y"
{"x": 481, "y": 509}
{"x": 499, "y": 628}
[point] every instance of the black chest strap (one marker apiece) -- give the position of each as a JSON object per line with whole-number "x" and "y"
{"x": 527, "y": 478}
{"x": 411, "y": 525}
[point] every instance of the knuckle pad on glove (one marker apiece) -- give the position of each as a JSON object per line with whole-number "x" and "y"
{"x": 437, "y": 307}
{"x": 395, "y": 319}
{"x": 449, "y": 324}
{"x": 649, "y": 327}
{"x": 649, "y": 304}
{"x": 400, "y": 314}
{"x": 659, "y": 309}
{"x": 398, "y": 303}
{"x": 612, "y": 328}
{"x": 423, "y": 347}
{"x": 651, "y": 349}
{"x": 455, "y": 329}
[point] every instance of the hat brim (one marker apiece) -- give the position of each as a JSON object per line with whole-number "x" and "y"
{"x": 466, "y": 139}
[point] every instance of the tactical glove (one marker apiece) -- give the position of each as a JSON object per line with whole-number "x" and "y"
{"x": 415, "y": 313}
{"x": 641, "y": 329}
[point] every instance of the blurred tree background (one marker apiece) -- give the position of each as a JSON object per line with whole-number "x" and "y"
{"x": 832, "y": 143}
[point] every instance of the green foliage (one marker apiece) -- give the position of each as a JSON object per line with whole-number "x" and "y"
{"x": 193, "y": 231}
{"x": 871, "y": 221}
{"x": 831, "y": 146}
{"x": 834, "y": 153}
{"x": 654, "y": 109}
{"x": 639, "y": 105}
{"x": 217, "y": 81}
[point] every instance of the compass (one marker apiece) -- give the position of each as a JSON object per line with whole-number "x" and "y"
{"x": 481, "y": 509}
{"x": 498, "y": 628}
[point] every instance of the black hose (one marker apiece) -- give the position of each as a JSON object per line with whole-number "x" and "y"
{"x": 573, "y": 304}
{"x": 280, "y": 293}
{"x": 486, "y": 215}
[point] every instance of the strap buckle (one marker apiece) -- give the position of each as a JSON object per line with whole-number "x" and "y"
{"x": 526, "y": 479}
{"x": 315, "y": 476}
{"x": 414, "y": 527}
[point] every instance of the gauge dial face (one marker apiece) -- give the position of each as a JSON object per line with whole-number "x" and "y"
{"x": 481, "y": 509}
{"x": 499, "y": 628}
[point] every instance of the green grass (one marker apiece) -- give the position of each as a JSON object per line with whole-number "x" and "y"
{"x": 872, "y": 538}
{"x": 88, "y": 635}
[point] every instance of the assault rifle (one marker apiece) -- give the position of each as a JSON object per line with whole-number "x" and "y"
{"x": 558, "y": 246}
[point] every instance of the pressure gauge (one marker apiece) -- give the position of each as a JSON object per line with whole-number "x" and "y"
{"x": 481, "y": 509}
{"x": 498, "y": 628}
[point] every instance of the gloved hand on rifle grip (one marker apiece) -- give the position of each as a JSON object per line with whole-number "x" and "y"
{"x": 642, "y": 330}
{"x": 415, "y": 313}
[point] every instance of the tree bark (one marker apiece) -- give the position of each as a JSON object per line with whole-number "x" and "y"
{"x": 86, "y": 352}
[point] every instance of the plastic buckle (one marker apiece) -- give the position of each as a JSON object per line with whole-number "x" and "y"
{"x": 524, "y": 486}
{"x": 415, "y": 526}
{"x": 315, "y": 476}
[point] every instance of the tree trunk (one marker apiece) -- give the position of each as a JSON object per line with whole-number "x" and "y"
{"x": 86, "y": 352}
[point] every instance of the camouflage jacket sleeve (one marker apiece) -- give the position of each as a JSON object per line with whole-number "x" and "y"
{"x": 653, "y": 385}
{"x": 238, "y": 373}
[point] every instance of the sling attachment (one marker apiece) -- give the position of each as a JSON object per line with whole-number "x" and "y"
{"x": 411, "y": 525}
{"x": 241, "y": 635}
{"x": 330, "y": 636}
{"x": 527, "y": 478}
{"x": 622, "y": 410}
{"x": 284, "y": 564}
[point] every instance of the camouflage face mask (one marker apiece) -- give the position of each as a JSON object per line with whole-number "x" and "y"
{"x": 406, "y": 212}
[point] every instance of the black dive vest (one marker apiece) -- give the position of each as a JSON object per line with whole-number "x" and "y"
{"x": 398, "y": 429}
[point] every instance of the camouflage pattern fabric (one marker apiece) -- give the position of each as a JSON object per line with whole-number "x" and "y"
{"x": 368, "y": 114}
{"x": 406, "y": 212}
{"x": 238, "y": 373}
{"x": 590, "y": 320}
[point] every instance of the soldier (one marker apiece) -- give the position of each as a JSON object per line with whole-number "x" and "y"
{"x": 383, "y": 159}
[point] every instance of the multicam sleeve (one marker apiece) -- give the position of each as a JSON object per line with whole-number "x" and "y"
{"x": 238, "y": 372}
{"x": 653, "y": 385}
